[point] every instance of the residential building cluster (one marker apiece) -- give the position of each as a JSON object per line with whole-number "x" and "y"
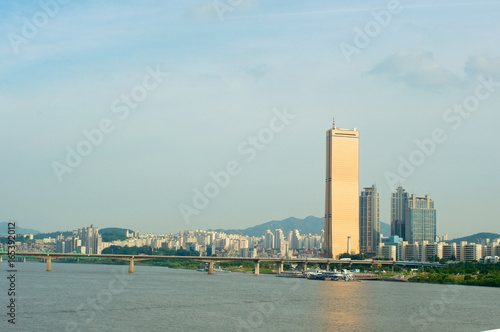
{"x": 396, "y": 248}
{"x": 272, "y": 244}
{"x": 208, "y": 243}
{"x": 413, "y": 219}
{"x": 85, "y": 240}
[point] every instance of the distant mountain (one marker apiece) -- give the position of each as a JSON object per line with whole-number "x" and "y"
{"x": 19, "y": 230}
{"x": 108, "y": 234}
{"x": 52, "y": 235}
{"x": 478, "y": 236}
{"x": 111, "y": 234}
{"x": 385, "y": 229}
{"x": 308, "y": 225}
{"x": 117, "y": 230}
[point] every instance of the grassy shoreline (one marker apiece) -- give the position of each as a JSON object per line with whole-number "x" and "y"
{"x": 466, "y": 280}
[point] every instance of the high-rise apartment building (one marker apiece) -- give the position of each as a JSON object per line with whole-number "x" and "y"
{"x": 269, "y": 240}
{"x": 369, "y": 220}
{"x": 420, "y": 223}
{"x": 91, "y": 239}
{"x": 279, "y": 239}
{"x": 399, "y": 204}
{"x": 85, "y": 240}
{"x": 413, "y": 218}
{"x": 295, "y": 239}
{"x": 342, "y": 192}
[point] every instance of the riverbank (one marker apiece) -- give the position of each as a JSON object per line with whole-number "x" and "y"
{"x": 469, "y": 274}
{"x": 467, "y": 280}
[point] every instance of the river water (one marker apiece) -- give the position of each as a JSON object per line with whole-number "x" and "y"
{"x": 81, "y": 297}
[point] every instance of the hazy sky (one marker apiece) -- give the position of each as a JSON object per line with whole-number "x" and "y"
{"x": 116, "y": 113}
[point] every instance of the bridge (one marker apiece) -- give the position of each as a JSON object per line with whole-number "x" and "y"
{"x": 210, "y": 260}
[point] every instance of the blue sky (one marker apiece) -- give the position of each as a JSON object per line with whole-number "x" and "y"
{"x": 223, "y": 75}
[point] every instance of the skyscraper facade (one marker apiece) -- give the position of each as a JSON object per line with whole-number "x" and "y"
{"x": 91, "y": 239}
{"x": 279, "y": 238}
{"x": 269, "y": 240}
{"x": 399, "y": 204}
{"x": 85, "y": 240}
{"x": 294, "y": 239}
{"x": 369, "y": 220}
{"x": 420, "y": 220}
{"x": 342, "y": 192}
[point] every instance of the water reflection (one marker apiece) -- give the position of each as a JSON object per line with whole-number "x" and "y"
{"x": 342, "y": 306}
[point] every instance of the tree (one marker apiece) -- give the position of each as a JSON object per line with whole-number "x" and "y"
{"x": 434, "y": 258}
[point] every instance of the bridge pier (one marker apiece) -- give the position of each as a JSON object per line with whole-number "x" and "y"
{"x": 256, "y": 268}
{"x": 131, "y": 266}
{"x": 304, "y": 266}
{"x": 49, "y": 264}
{"x": 211, "y": 267}
{"x": 279, "y": 267}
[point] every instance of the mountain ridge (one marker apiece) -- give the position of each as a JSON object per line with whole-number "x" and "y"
{"x": 308, "y": 225}
{"x": 478, "y": 236}
{"x": 19, "y": 230}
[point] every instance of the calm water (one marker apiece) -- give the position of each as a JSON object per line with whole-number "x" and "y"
{"x": 77, "y": 297}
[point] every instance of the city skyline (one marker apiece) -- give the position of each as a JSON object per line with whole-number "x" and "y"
{"x": 119, "y": 113}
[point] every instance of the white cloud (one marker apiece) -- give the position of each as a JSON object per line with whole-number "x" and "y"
{"x": 416, "y": 68}
{"x": 482, "y": 65}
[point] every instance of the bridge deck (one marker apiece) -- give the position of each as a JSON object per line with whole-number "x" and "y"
{"x": 202, "y": 258}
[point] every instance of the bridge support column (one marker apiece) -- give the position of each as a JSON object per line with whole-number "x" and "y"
{"x": 131, "y": 266}
{"x": 304, "y": 266}
{"x": 280, "y": 267}
{"x": 49, "y": 264}
{"x": 211, "y": 267}
{"x": 327, "y": 267}
{"x": 256, "y": 268}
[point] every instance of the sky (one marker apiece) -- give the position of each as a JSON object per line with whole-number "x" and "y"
{"x": 167, "y": 115}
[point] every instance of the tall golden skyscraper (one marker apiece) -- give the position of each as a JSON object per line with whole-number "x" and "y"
{"x": 342, "y": 192}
